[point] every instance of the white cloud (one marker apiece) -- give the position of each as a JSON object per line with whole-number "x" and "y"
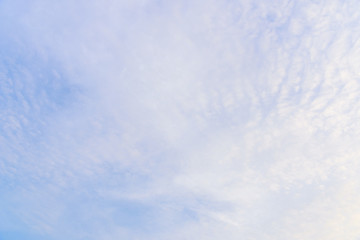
{"x": 158, "y": 120}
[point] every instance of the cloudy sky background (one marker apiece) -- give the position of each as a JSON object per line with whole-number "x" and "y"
{"x": 151, "y": 119}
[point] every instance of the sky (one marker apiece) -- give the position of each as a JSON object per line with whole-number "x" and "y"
{"x": 181, "y": 119}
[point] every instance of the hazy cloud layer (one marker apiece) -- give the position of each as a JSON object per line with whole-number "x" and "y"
{"x": 179, "y": 119}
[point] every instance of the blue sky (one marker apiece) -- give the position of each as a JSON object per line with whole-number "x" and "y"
{"x": 179, "y": 120}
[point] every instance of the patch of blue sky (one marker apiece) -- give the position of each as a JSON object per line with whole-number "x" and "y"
{"x": 22, "y": 234}
{"x": 33, "y": 89}
{"x": 12, "y": 226}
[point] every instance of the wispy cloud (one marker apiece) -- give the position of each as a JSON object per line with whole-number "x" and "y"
{"x": 178, "y": 120}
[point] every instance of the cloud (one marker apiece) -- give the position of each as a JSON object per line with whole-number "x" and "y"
{"x": 183, "y": 119}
